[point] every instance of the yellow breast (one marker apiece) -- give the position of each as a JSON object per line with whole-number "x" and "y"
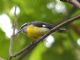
{"x": 35, "y": 32}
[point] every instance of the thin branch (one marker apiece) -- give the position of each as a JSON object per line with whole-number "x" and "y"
{"x": 72, "y": 11}
{"x": 12, "y": 37}
{"x": 28, "y": 48}
{"x": 76, "y": 3}
{"x": 10, "y": 48}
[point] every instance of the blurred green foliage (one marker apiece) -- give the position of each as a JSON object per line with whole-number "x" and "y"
{"x": 36, "y": 10}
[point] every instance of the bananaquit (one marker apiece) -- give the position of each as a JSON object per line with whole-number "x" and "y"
{"x": 36, "y": 29}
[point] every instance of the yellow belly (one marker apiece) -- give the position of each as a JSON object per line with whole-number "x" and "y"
{"x": 35, "y": 32}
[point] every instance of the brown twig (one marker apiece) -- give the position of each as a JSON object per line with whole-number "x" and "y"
{"x": 28, "y": 48}
{"x": 75, "y": 3}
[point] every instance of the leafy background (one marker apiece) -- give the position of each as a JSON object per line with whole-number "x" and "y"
{"x": 65, "y": 46}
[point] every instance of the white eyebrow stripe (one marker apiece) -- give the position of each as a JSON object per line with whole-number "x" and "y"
{"x": 23, "y": 25}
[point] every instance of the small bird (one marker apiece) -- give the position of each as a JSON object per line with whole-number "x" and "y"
{"x": 36, "y": 29}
